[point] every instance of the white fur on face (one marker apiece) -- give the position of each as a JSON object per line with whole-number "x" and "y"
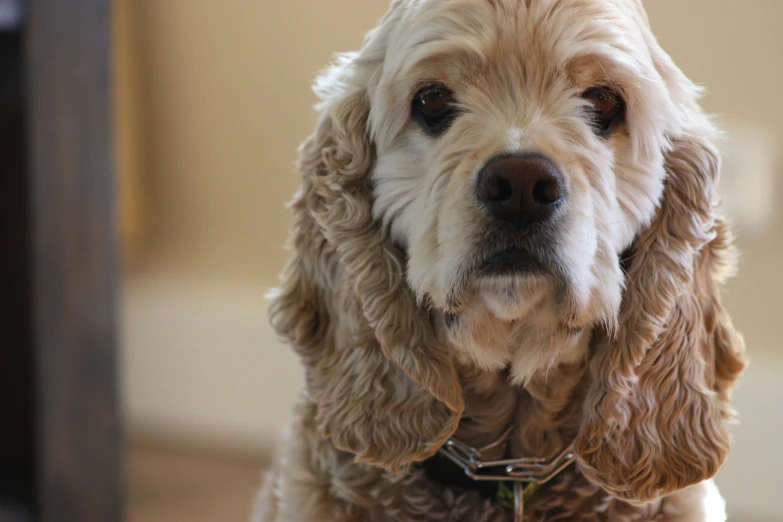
{"x": 517, "y": 70}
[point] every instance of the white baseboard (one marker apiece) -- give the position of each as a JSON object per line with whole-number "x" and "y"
{"x": 202, "y": 364}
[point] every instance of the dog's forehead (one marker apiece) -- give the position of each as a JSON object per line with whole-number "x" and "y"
{"x": 495, "y": 31}
{"x": 631, "y": 7}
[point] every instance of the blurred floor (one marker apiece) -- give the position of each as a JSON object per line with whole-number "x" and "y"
{"x": 167, "y": 485}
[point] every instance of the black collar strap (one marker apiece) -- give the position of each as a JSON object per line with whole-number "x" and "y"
{"x": 461, "y": 466}
{"x": 444, "y": 471}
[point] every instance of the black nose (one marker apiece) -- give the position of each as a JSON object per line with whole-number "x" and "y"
{"x": 521, "y": 188}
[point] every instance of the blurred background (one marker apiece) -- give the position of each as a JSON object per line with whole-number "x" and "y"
{"x": 212, "y": 99}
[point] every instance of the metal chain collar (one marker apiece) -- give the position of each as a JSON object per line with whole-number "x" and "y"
{"x": 525, "y": 474}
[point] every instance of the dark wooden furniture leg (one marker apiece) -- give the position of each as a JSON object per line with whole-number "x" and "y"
{"x": 17, "y": 416}
{"x": 60, "y": 429}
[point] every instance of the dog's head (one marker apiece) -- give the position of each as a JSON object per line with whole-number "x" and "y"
{"x": 523, "y": 183}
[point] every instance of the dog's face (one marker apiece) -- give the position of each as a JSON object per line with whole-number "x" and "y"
{"x": 519, "y": 151}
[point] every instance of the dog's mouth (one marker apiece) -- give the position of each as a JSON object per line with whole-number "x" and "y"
{"x": 514, "y": 261}
{"x": 511, "y": 262}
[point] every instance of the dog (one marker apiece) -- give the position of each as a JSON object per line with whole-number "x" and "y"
{"x": 507, "y": 235}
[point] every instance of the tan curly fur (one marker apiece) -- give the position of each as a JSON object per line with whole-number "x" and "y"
{"x": 629, "y": 351}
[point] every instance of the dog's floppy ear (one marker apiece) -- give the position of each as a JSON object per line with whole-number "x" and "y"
{"x": 655, "y": 414}
{"x": 385, "y": 387}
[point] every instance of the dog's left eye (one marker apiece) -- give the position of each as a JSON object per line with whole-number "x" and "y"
{"x": 434, "y": 108}
{"x": 608, "y": 108}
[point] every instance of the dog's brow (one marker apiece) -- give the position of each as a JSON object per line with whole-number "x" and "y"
{"x": 608, "y": 78}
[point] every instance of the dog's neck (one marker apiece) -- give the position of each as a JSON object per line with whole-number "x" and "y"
{"x": 545, "y": 413}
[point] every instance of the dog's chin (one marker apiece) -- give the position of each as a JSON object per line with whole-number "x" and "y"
{"x": 511, "y": 323}
{"x": 512, "y": 283}
{"x": 514, "y": 295}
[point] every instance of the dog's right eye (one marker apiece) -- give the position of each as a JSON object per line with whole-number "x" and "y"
{"x": 608, "y": 108}
{"x": 434, "y": 109}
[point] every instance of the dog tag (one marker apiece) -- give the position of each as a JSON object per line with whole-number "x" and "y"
{"x": 519, "y": 502}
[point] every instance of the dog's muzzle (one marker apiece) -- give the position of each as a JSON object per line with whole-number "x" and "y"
{"x": 523, "y": 195}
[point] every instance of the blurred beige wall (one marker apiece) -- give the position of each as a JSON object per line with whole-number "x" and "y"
{"x": 733, "y": 48}
{"x": 213, "y": 105}
{"x": 226, "y": 99}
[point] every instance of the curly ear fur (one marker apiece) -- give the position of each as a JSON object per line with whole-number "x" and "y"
{"x": 385, "y": 387}
{"x": 654, "y": 419}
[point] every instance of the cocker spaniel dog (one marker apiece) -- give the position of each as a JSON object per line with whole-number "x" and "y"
{"x": 507, "y": 234}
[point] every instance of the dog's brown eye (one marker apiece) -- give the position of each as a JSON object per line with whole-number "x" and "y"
{"x": 434, "y": 108}
{"x": 608, "y": 108}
